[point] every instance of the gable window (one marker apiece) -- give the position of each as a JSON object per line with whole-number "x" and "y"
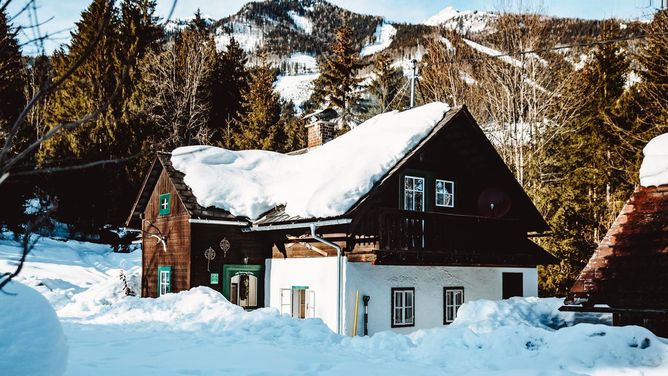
{"x": 164, "y": 280}
{"x": 298, "y": 302}
{"x": 453, "y": 298}
{"x": 165, "y": 203}
{"x": 445, "y": 193}
{"x": 413, "y": 193}
{"x": 403, "y": 307}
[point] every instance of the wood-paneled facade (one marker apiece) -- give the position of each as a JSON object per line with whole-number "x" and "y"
{"x": 488, "y": 225}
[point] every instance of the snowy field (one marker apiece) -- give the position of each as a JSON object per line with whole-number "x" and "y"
{"x": 199, "y": 333}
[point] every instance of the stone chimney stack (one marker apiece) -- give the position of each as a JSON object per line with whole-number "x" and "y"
{"x": 321, "y": 127}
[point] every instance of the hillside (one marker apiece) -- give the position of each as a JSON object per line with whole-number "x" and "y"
{"x": 296, "y": 33}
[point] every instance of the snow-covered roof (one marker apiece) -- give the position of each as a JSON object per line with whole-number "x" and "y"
{"x": 654, "y": 168}
{"x": 325, "y": 182}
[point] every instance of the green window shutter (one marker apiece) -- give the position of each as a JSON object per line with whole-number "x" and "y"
{"x": 165, "y": 203}
{"x": 164, "y": 280}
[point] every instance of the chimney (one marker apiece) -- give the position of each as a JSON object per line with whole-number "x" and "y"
{"x": 319, "y": 132}
{"x": 321, "y": 127}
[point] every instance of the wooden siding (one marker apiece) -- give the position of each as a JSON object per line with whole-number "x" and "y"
{"x": 176, "y": 229}
{"x": 257, "y": 247}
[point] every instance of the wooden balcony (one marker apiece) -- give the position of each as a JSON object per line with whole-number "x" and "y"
{"x": 439, "y": 238}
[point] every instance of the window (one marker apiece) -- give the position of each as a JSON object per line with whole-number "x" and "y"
{"x": 445, "y": 193}
{"x": 403, "y": 307}
{"x": 413, "y": 193}
{"x": 165, "y": 201}
{"x": 164, "y": 280}
{"x": 298, "y": 302}
{"x": 453, "y": 298}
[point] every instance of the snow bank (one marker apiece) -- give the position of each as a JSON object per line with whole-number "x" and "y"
{"x": 31, "y": 338}
{"x": 331, "y": 178}
{"x": 383, "y": 37}
{"x": 654, "y": 168}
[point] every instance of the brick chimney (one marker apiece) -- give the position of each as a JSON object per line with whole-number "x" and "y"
{"x": 319, "y": 132}
{"x": 321, "y": 127}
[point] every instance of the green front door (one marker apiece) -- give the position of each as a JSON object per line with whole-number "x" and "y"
{"x": 242, "y": 284}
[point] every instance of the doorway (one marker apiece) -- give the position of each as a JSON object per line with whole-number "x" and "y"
{"x": 242, "y": 285}
{"x": 512, "y": 285}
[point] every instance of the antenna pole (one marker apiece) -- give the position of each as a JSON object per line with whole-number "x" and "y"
{"x": 413, "y": 79}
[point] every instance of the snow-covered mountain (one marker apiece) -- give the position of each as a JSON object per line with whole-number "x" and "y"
{"x": 461, "y": 21}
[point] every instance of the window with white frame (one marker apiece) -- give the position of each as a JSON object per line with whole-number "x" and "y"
{"x": 164, "y": 280}
{"x": 453, "y": 298}
{"x": 445, "y": 193}
{"x": 298, "y": 302}
{"x": 403, "y": 307}
{"x": 413, "y": 193}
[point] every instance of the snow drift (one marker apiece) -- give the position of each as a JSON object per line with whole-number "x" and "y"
{"x": 31, "y": 338}
{"x": 325, "y": 182}
{"x": 654, "y": 168}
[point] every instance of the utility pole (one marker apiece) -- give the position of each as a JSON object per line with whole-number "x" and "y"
{"x": 414, "y": 62}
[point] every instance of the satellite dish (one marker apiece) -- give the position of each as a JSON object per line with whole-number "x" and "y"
{"x": 494, "y": 202}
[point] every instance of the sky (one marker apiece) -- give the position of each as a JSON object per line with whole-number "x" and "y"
{"x": 60, "y": 15}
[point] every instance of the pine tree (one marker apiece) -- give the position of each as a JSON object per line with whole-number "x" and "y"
{"x": 293, "y": 125}
{"x": 585, "y": 189}
{"x": 259, "y": 126}
{"x": 12, "y": 81}
{"x": 12, "y": 101}
{"x": 337, "y": 86}
{"x": 84, "y": 196}
{"x": 229, "y": 79}
{"x": 384, "y": 89}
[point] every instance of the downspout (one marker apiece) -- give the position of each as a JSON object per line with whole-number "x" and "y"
{"x": 339, "y": 278}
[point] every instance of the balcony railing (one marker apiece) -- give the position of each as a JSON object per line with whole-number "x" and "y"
{"x": 413, "y": 231}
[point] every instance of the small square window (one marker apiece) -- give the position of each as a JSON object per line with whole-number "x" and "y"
{"x": 165, "y": 203}
{"x": 445, "y": 193}
{"x": 403, "y": 307}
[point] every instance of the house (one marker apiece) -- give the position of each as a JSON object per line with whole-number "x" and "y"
{"x": 627, "y": 274}
{"x": 414, "y": 211}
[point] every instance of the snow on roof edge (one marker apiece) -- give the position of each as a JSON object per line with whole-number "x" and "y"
{"x": 654, "y": 168}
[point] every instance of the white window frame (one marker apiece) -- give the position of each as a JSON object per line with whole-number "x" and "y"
{"x": 290, "y": 295}
{"x": 422, "y": 192}
{"x": 164, "y": 285}
{"x": 399, "y": 295}
{"x": 443, "y": 195}
{"x": 451, "y": 307}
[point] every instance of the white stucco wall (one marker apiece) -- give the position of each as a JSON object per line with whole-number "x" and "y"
{"x": 376, "y": 281}
{"x": 318, "y": 273}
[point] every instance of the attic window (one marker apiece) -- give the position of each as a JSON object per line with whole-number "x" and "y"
{"x": 165, "y": 203}
{"x": 445, "y": 193}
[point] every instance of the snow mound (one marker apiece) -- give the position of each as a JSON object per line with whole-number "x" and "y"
{"x": 383, "y": 37}
{"x": 332, "y": 177}
{"x": 654, "y": 168}
{"x": 103, "y": 294}
{"x": 31, "y": 338}
{"x": 203, "y": 309}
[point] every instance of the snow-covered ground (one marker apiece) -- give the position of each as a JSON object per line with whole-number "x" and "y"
{"x": 382, "y": 38}
{"x": 199, "y": 333}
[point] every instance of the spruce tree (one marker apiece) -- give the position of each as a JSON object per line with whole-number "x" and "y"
{"x": 85, "y": 196}
{"x": 12, "y": 81}
{"x": 293, "y": 125}
{"x": 584, "y": 190}
{"x": 384, "y": 89}
{"x": 337, "y": 86}
{"x": 12, "y": 101}
{"x": 259, "y": 126}
{"x": 229, "y": 79}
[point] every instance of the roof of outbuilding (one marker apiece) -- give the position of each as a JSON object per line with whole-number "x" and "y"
{"x": 629, "y": 267}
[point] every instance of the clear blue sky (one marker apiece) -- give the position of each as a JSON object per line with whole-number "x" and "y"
{"x": 65, "y": 12}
